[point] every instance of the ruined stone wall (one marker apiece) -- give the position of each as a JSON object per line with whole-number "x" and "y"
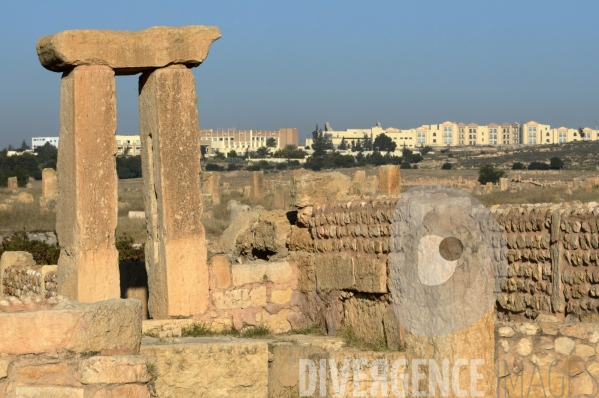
{"x": 30, "y": 280}
{"x": 553, "y": 264}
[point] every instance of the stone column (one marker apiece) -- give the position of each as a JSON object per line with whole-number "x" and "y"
{"x": 176, "y": 246}
{"x": 12, "y": 183}
{"x": 211, "y": 185}
{"x": 257, "y": 187}
{"x": 88, "y": 268}
{"x": 389, "y": 180}
{"x": 49, "y": 183}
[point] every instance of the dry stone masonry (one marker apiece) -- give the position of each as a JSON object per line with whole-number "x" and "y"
{"x": 87, "y": 203}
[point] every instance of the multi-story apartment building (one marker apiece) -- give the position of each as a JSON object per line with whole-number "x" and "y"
{"x": 225, "y": 140}
{"x": 128, "y": 145}
{"x": 41, "y": 141}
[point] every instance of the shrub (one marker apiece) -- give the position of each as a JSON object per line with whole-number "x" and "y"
{"x": 214, "y": 167}
{"x": 128, "y": 252}
{"x": 488, "y": 173}
{"x": 518, "y": 166}
{"x": 556, "y": 163}
{"x": 538, "y": 166}
{"x": 447, "y": 166}
{"x": 42, "y": 252}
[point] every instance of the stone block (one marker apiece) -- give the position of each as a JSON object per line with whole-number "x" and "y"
{"x": 310, "y": 188}
{"x": 108, "y": 327}
{"x": 113, "y": 370}
{"x": 370, "y": 275}
{"x": 189, "y": 371}
{"x": 4, "y": 363}
{"x": 279, "y": 272}
{"x": 9, "y": 258}
{"x": 276, "y": 323}
{"x": 221, "y": 269}
{"x": 300, "y": 240}
{"x": 389, "y": 180}
{"x": 365, "y": 317}
{"x": 48, "y": 392}
{"x": 49, "y": 183}
{"x": 242, "y": 223}
{"x": 504, "y": 184}
{"x": 281, "y": 296}
{"x": 176, "y": 254}
{"x": 334, "y": 272}
{"x": 128, "y": 391}
{"x": 127, "y": 52}
{"x": 281, "y": 197}
{"x": 257, "y": 185}
{"x": 136, "y": 215}
{"x": 306, "y": 281}
{"x": 12, "y": 183}
{"x": 87, "y": 202}
{"x": 240, "y": 298}
{"x": 25, "y": 197}
{"x": 211, "y": 186}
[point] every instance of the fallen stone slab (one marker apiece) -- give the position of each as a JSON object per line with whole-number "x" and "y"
{"x": 127, "y": 52}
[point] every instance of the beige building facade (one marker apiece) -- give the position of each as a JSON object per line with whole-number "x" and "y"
{"x": 226, "y": 140}
{"x": 450, "y": 133}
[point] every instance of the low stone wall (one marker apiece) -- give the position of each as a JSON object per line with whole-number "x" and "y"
{"x": 60, "y": 348}
{"x": 547, "y": 359}
{"x": 25, "y": 281}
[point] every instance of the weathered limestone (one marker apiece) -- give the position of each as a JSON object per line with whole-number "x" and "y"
{"x": 25, "y": 197}
{"x": 49, "y": 183}
{"x": 210, "y": 367}
{"x": 257, "y": 185}
{"x": 211, "y": 186}
{"x": 87, "y": 204}
{"x": 9, "y": 259}
{"x": 127, "y": 52}
{"x": 311, "y": 188}
{"x": 389, "y": 180}
{"x": 109, "y": 327}
{"x": 113, "y": 369}
{"x": 504, "y": 184}
{"x": 12, "y": 183}
{"x": 176, "y": 247}
{"x": 281, "y": 196}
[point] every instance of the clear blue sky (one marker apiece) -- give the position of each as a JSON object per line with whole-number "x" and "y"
{"x": 352, "y": 63}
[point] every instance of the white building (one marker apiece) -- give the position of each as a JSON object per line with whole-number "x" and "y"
{"x": 41, "y": 141}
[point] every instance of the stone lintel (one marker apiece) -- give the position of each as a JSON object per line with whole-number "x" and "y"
{"x": 127, "y": 52}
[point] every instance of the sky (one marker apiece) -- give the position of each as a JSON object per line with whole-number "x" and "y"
{"x": 284, "y": 63}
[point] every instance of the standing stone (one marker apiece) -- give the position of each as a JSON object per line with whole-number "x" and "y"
{"x": 359, "y": 176}
{"x": 389, "y": 180}
{"x": 13, "y": 183}
{"x": 281, "y": 196}
{"x": 504, "y": 184}
{"x": 246, "y": 191}
{"x": 176, "y": 246}
{"x": 211, "y": 186}
{"x": 87, "y": 205}
{"x": 257, "y": 185}
{"x": 49, "y": 183}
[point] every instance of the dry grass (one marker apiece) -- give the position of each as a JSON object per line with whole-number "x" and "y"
{"x": 25, "y": 217}
{"x": 538, "y": 195}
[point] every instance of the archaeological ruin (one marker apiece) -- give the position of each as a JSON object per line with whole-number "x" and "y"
{"x": 309, "y": 278}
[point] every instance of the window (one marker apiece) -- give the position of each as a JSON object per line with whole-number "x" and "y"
{"x": 421, "y": 139}
{"x": 434, "y": 134}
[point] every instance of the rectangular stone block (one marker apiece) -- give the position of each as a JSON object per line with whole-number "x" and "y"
{"x": 334, "y": 271}
{"x": 176, "y": 255}
{"x": 113, "y": 370}
{"x": 49, "y": 392}
{"x": 211, "y": 186}
{"x": 370, "y": 275}
{"x": 49, "y": 183}
{"x": 12, "y": 183}
{"x": 191, "y": 370}
{"x": 257, "y": 185}
{"x": 127, "y": 391}
{"x": 280, "y": 272}
{"x": 389, "y": 180}
{"x": 240, "y": 298}
{"x": 127, "y": 52}
{"x": 221, "y": 269}
{"x": 310, "y": 188}
{"x": 112, "y": 326}
{"x": 87, "y": 204}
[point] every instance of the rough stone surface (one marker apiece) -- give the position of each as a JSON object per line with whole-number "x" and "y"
{"x": 128, "y": 391}
{"x": 564, "y": 345}
{"x": 257, "y": 185}
{"x": 176, "y": 254}
{"x": 12, "y": 183}
{"x": 221, "y": 269}
{"x": 49, "y": 183}
{"x": 127, "y": 52}
{"x": 113, "y": 370}
{"x": 25, "y": 197}
{"x": 109, "y": 327}
{"x": 211, "y": 186}
{"x": 87, "y": 202}
{"x": 188, "y": 370}
{"x": 4, "y": 363}
{"x": 9, "y": 259}
{"x": 279, "y": 272}
{"x": 240, "y": 298}
{"x": 311, "y": 188}
{"x": 242, "y": 223}
{"x": 389, "y": 180}
{"x": 49, "y": 392}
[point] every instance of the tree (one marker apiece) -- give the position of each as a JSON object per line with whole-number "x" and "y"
{"x": 556, "y": 163}
{"x": 426, "y": 149}
{"x": 219, "y": 155}
{"x": 271, "y": 142}
{"x": 488, "y": 173}
{"x": 262, "y": 152}
{"x": 447, "y": 166}
{"x": 518, "y": 166}
{"x": 24, "y": 147}
{"x": 343, "y": 145}
{"x": 384, "y": 143}
{"x": 320, "y": 142}
{"x": 538, "y": 166}
{"x": 232, "y": 154}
